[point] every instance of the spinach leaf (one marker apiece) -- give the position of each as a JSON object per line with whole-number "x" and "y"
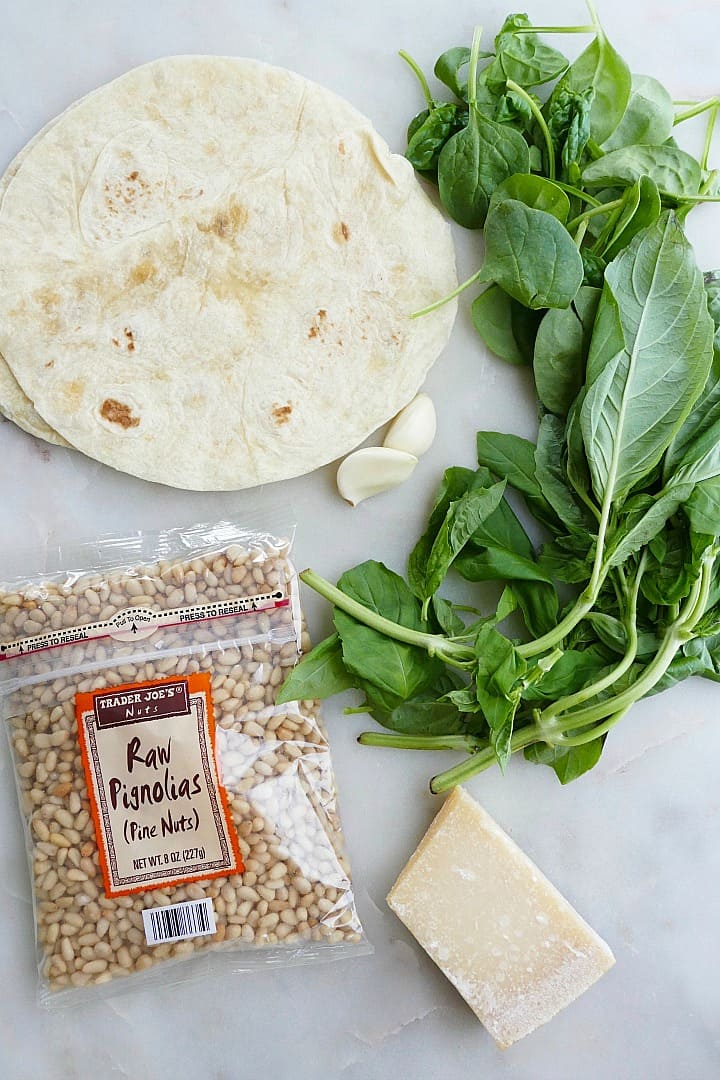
{"x": 593, "y": 268}
{"x": 531, "y": 256}
{"x": 561, "y": 348}
{"x": 524, "y": 58}
{"x": 649, "y": 357}
{"x": 648, "y": 117}
{"x": 507, "y": 327}
{"x": 601, "y": 69}
{"x": 320, "y": 674}
{"x": 674, "y": 172}
{"x": 537, "y": 192}
{"x": 473, "y": 162}
{"x": 447, "y": 70}
{"x": 568, "y": 121}
{"x": 514, "y": 108}
{"x": 429, "y": 137}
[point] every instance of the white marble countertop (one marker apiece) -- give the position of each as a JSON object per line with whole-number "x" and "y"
{"x": 634, "y": 844}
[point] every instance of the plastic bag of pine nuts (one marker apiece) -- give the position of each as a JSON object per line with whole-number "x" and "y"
{"x": 175, "y": 817}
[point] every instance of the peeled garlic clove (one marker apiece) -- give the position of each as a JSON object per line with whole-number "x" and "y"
{"x": 372, "y": 470}
{"x": 414, "y": 427}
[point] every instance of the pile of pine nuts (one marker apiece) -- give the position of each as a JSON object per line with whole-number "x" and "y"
{"x": 273, "y": 760}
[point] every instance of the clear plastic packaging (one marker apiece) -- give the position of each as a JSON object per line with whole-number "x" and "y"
{"x": 158, "y": 832}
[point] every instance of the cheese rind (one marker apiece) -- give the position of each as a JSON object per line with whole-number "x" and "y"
{"x": 512, "y": 945}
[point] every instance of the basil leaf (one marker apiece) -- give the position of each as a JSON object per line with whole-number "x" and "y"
{"x": 649, "y": 357}
{"x": 568, "y": 762}
{"x": 531, "y": 256}
{"x": 450, "y": 623}
{"x": 423, "y": 716}
{"x": 320, "y": 674}
{"x": 462, "y": 519}
{"x": 552, "y": 475}
{"x": 499, "y": 564}
{"x": 455, "y": 482}
{"x": 381, "y": 590}
{"x": 510, "y": 457}
{"x": 398, "y": 671}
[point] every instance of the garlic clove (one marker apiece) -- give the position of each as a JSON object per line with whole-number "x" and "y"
{"x": 414, "y": 427}
{"x": 372, "y": 470}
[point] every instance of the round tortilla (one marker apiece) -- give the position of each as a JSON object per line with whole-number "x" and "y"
{"x": 207, "y": 269}
{"x": 14, "y": 402}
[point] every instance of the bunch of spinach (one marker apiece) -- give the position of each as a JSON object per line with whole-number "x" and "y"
{"x": 560, "y": 186}
{"x": 621, "y": 599}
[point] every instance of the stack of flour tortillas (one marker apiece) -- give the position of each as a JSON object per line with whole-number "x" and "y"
{"x": 207, "y": 269}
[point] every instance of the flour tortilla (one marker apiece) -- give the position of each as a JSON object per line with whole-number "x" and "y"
{"x": 207, "y": 269}
{"x": 14, "y": 402}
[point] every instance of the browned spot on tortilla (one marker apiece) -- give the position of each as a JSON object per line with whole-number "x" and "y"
{"x": 48, "y": 297}
{"x": 281, "y": 413}
{"x": 128, "y": 332}
{"x": 115, "y": 341}
{"x": 50, "y": 363}
{"x": 341, "y": 147}
{"x": 73, "y": 392}
{"x": 118, "y": 413}
{"x": 142, "y": 272}
{"x": 131, "y": 346}
{"x": 226, "y": 223}
{"x": 341, "y": 232}
{"x": 313, "y": 331}
{"x": 133, "y": 175}
{"x": 322, "y": 313}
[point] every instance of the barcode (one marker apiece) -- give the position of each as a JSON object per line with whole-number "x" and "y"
{"x": 178, "y": 921}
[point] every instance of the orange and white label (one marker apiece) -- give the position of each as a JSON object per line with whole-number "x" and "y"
{"x": 161, "y": 814}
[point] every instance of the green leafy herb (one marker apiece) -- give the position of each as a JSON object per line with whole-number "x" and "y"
{"x": 612, "y": 592}
{"x": 530, "y": 255}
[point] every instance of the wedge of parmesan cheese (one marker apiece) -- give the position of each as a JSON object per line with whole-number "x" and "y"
{"x": 504, "y": 936}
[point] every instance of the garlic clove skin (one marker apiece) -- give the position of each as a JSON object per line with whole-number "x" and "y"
{"x": 414, "y": 427}
{"x": 372, "y": 470}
